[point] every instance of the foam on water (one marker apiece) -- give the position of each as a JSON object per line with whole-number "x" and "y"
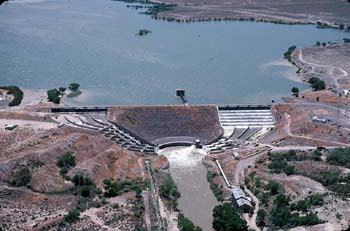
{"x": 180, "y": 157}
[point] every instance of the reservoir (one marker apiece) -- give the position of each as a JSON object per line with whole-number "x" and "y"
{"x": 48, "y": 44}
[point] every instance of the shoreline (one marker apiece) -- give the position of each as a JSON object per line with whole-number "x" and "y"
{"x": 183, "y": 12}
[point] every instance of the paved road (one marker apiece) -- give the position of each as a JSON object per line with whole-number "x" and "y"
{"x": 147, "y": 213}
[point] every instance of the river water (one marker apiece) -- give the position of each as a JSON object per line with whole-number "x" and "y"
{"x": 47, "y": 44}
{"x": 197, "y": 200}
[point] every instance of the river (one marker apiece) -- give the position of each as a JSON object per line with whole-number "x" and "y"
{"x": 48, "y": 44}
{"x": 197, "y": 200}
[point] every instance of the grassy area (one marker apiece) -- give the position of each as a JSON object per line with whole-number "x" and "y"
{"x": 16, "y": 92}
{"x": 218, "y": 192}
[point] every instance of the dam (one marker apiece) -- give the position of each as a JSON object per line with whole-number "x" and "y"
{"x": 146, "y": 129}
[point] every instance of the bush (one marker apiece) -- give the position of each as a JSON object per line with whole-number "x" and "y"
{"x": 184, "y": 224}
{"x": 85, "y": 191}
{"x": 218, "y": 192}
{"x": 169, "y": 190}
{"x": 54, "y": 96}
{"x": 72, "y": 216}
{"x": 21, "y": 177}
{"x": 16, "y": 92}
{"x": 274, "y": 187}
{"x": 277, "y": 166}
{"x": 227, "y": 219}
{"x": 340, "y": 157}
{"x": 80, "y": 180}
{"x": 65, "y": 162}
{"x": 289, "y": 170}
{"x": 116, "y": 188}
{"x": 67, "y": 159}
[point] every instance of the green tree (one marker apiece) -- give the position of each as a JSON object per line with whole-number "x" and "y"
{"x": 184, "y": 224}
{"x": 227, "y": 219}
{"x": 260, "y": 218}
{"x": 54, "y": 96}
{"x": 295, "y": 91}
{"x": 74, "y": 86}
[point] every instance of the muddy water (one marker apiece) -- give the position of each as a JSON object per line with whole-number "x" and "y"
{"x": 197, "y": 200}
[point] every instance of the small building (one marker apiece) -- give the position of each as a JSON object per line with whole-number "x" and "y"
{"x": 236, "y": 155}
{"x": 240, "y": 201}
{"x": 10, "y": 126}
{"x": 319, "y": 120}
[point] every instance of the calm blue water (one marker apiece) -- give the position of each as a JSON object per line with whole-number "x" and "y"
{"x": 53, "y": 43}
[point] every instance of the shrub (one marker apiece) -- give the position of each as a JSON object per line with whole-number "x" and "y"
{"x": 72, "y": 216}
{"x": 289, "y": 170}
{"x": 80, "y": 180}
{"x": 218, "y": 192}
{"x": 67, "y": 159}
{"x": 274, "y": 187}
{"x": 21, "y": 177}
{"x": 85, "y": 191}
{"x": 65, "y": 162}
{"x": 277, "y": 166}
{"x": 339, "y": 156}
{"x": 169, "y": 190}
{"x": 116, "y": 188}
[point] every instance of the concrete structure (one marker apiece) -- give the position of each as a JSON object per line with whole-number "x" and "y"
{"x": 319, "y": 120}
{"x": 240, "y": 201}
{"x": 243, "y": 122}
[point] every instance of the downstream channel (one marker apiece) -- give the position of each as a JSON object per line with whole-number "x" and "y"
{"x": 197, "y": 200}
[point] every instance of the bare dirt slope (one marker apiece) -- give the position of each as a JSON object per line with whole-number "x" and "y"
{"x": 330, "y": 63}
{"x": 96, "y": 156}
{"x": 291, "y": 11}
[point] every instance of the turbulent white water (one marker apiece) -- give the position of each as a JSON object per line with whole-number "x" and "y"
{"x": 197, "y": 200}
{"x": 183, "y": 157}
